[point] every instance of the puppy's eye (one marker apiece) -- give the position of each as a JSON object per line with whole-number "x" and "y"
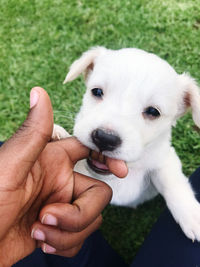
{"x": 151, "y": 113}
{"x": 98, "y": 92}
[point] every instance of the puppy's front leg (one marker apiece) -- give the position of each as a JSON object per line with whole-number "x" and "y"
{"x": 179, "y": 196}
{"x": 59, "y": 133}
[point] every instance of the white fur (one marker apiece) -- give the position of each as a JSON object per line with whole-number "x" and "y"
{"x": 133, "y": 80}
{"x": 59, "y": 133}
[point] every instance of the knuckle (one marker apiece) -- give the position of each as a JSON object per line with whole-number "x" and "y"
{"x": 79, "y": 219}
{"x": 31, "y": 128}
{"x": 99, "y": 221}
{"x": 78, "y": 227}
{"x": 60, "y": 241}
{"x": 106, "y": 191}
{"x": 72, "y": 252}
{"x": 44, "y": 136}
{"x": 62, "y": 245}
{"x": 26, "y": 130}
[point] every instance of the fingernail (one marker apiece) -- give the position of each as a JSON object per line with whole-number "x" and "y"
{"x": 34, "y": 96}
{"x": 38, "y": 234}
{"x": 48, "y": 249}
{"x": 49, "y": 219}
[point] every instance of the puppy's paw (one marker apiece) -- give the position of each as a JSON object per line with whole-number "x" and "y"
{"x": 190, "y": 222}
{"x": 59, "y": 133}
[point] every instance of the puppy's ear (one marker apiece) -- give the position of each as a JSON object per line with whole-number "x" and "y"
{"x": 191, "y": 97}
{"x": 84, "y": 64}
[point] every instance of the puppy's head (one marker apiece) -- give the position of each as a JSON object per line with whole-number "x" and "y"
{"x": 132, "y": 100}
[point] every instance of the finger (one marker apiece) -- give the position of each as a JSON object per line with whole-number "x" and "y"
{"x": 65, "y": 253}
{"x": 78, "y": 151}
{"x": 27, "y": 143}
{"x": 63, "y": 240}
{"x": 91, "y": 196}
{"x": 117, "y": 167}
{"x": 75, "y": 150}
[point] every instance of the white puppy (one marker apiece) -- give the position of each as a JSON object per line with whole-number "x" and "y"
{"x": 133, "y": 99}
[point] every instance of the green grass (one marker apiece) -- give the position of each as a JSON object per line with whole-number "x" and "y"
{"x": 40, "y": 39}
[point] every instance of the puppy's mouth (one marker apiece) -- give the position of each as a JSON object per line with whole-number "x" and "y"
{"x": 97, "y": 162}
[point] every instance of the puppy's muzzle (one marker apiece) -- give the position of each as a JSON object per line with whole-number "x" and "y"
{"x": 105, "y": 141}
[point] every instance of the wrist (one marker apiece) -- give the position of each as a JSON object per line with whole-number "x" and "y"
{"x": 13, "y": 249}
{"x": 6, "y": 256}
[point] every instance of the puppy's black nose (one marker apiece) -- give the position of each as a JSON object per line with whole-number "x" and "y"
{"x": 105, "y": 141}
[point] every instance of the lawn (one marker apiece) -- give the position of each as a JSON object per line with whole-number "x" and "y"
{"x": 40, "y": 39}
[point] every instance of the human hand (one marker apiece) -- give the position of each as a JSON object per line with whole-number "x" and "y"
{"x": 39, "y": 191}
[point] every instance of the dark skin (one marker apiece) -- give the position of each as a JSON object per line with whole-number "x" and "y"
{"x": 43, "y": 202}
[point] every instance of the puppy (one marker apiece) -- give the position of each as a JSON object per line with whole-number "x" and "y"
{"x": 133, "y": 99}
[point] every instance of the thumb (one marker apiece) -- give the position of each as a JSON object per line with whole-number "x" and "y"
{"x": 24, "y": 147}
